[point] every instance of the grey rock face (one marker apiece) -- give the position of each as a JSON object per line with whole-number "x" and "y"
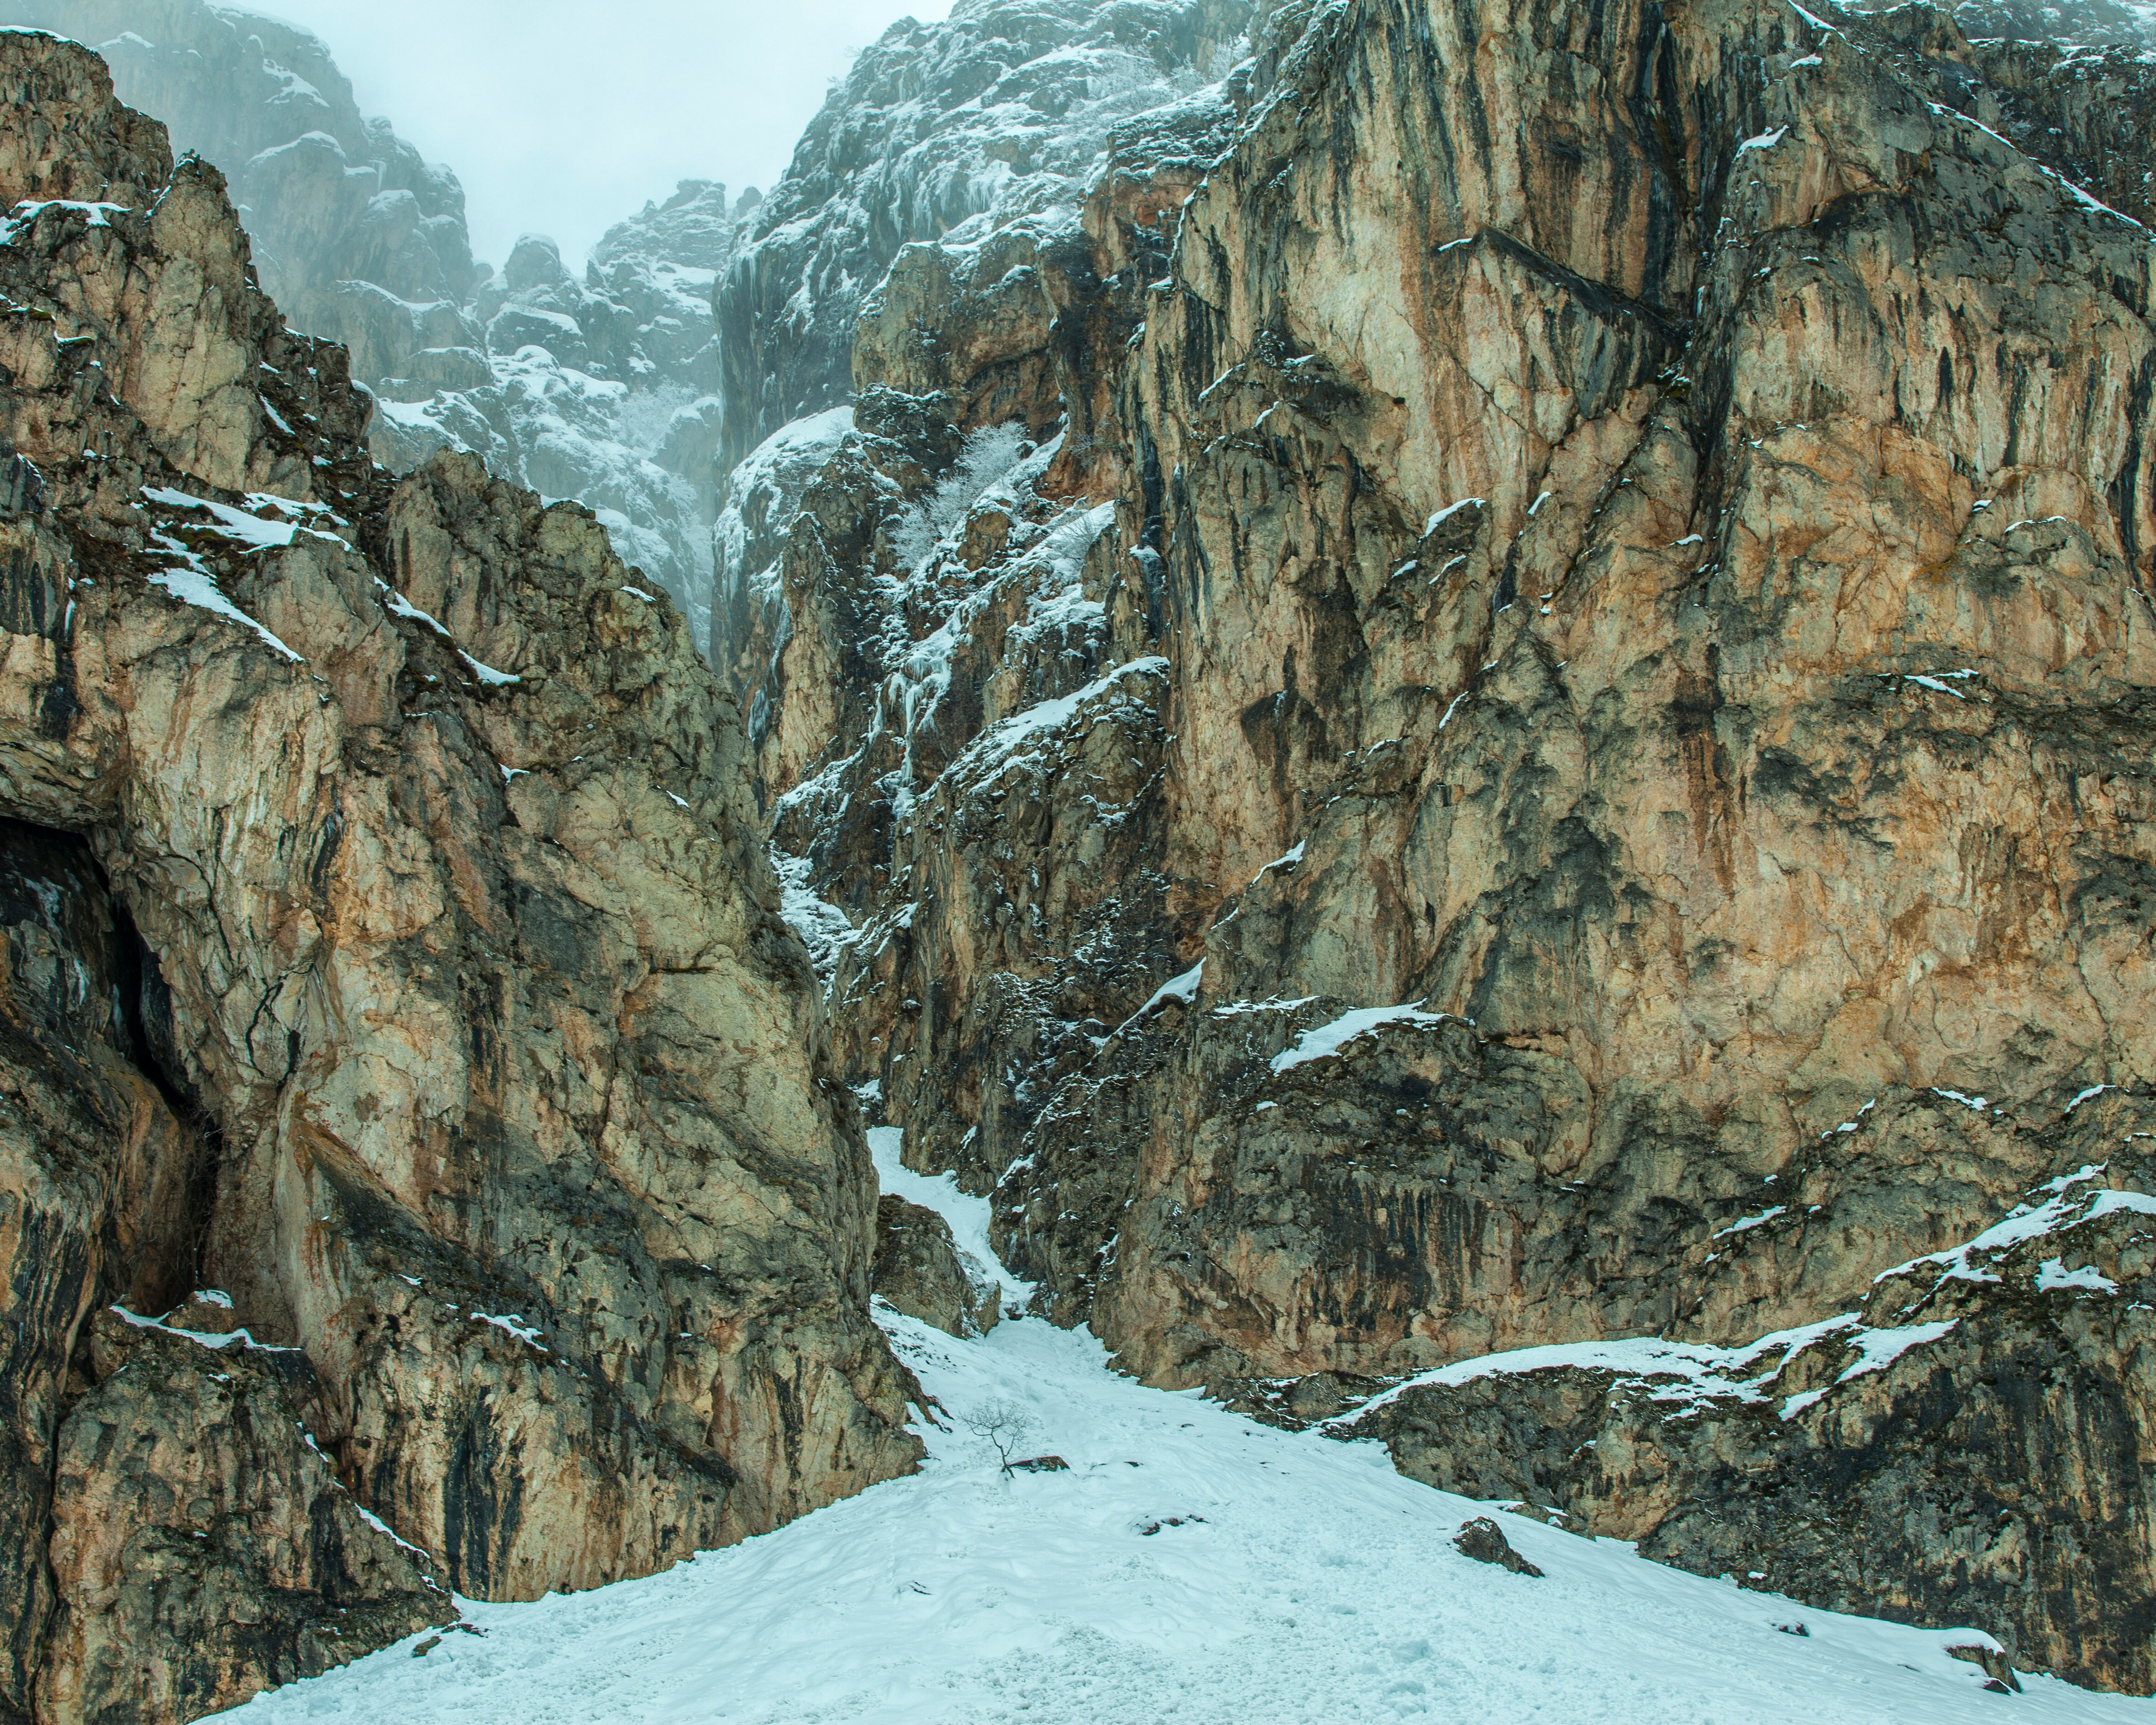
{"x": 997, "y": 114}
{"x": 331, "y": 200}
{"x": 1965, "y": 1448}
{"x": 201, "y": 1544}
{"x": 599, "y": 390}
{"x": 2079, "y": 23}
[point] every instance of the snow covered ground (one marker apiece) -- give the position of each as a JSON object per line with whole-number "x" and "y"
{"x": 1189, "y": 1566}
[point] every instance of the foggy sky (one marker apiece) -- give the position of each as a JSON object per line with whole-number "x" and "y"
{"x": 563, "y": 116}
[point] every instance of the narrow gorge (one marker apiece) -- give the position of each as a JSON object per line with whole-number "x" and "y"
{"x": 1447, "y": 712}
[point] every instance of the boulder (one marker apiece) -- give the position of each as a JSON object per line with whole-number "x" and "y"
{"x": 1483, "y": 1540}
{"x": 919, "y": 1271}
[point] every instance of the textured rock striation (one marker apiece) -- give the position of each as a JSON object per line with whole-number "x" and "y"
{"x": 1964, "y": 1446}
{"x": 414, "y": 1110}
{"x": 920, "y": 1272}
{"x": 1504, "y": 704}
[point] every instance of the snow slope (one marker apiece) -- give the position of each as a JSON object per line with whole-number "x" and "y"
{"x": 1191, "y": 1566}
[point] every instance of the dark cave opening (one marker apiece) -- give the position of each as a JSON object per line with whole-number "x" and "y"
{"x": 79, "y": 972}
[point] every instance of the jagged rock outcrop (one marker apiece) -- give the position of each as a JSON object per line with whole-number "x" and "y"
{"x": 202, "y": 1545}
{"x": 1591, "y": 778}
{"x": 664, "y": 264}
{"x": 392, "y": 950}
{"x": 1962, "y": 1447}
{"x": 919, "y": 1270}
{"x": 998, "y": 113}
{"x": 357, "y": 238}
{"x": 2086, "y": 108}
{"x": 2078, "y": 23}
{"x": 890, "y": 613}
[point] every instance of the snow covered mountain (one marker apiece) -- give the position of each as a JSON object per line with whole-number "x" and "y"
{"x": 604, "y": 390}
{"x": 999, "y": 116}
{"x": 597, "y": 390}
{"x": 356, "y": 238}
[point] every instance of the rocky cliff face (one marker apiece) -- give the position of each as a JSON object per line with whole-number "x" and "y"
{"x": 414, "y": 1112}
{"x": 994, "y": 118}
{"x": 604, "y": 390}
{"x": 1506, "y": 704}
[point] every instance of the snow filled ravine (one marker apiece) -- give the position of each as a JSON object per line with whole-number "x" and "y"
{"x": 1189, "y": 1565}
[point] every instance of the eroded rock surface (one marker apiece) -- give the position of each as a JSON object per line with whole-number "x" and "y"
{"x": 1545, "y": 738}
{"x": 413, "y": 975}
{"x": 201, "y": 1544}
{"x": 602, "y": 388}
{"x": 1967, "y": 1445}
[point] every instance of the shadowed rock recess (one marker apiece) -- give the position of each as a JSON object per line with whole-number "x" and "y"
{"x": 1485, "y": 682}
{"x": 414, "y": 1110}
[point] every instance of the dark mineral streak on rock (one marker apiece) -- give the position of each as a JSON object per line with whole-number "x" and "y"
{"x": 1613, "y": 543}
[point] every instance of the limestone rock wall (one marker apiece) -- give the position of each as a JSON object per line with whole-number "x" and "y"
{"x": 462, "y": 1050}
{"x": 201, "y": 1544}
{"x": 1591, "y": 781}
{"x": 1964, "y": 1446}
{"x": 1538, "y": 650}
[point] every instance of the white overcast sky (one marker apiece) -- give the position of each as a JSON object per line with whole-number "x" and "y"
{"x": 563, "y": 116}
